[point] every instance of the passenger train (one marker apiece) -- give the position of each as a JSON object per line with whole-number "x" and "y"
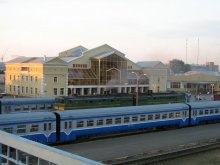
{"x": 15, "y": 105}
{"x": 64, "y": 126}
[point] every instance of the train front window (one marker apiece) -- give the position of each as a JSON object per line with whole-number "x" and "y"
{"x": 177, "y": 114}
{"x": 216, "y": 110}
{"x": 21, "y": 129}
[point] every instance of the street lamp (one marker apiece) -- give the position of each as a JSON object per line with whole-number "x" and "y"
{"x": 138, "y": 78}
{"x": 212, "y": 86}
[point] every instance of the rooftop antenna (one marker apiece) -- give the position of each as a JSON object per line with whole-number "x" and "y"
{"x": 198, "y": 53}
{"x": 186, "y": 50}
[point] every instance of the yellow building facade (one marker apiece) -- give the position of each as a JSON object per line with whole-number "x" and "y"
{"x": 36, "y": 77}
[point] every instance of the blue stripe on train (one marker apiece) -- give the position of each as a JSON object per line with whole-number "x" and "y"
{"x": 72, "y": 136}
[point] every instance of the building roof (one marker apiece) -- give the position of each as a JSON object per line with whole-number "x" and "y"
{"x": 73, "y": 52}
{"x": 148, "y": 64}
{"x": 31, "y": 60}
{"x": 209, "y": 73}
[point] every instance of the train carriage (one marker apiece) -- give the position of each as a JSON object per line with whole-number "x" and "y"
{"x": 75, "y": 124}
{"x": 204, "y": 111}
{"x": 39, "y": 126}
{"x": 15, "y": 105}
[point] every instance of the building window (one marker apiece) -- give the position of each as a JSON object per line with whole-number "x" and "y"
{"x": 10, "y": 77}
{"x": 36, "y": 79}
{"x": 10, "y": 88}
{"x": 26, "y": 89}
{"x": 31, "y": 90}
{"x": 175, "y": 84}
{"x": 14, "y": 88}
{"x": 35, "y": 91}
{"x": 61, "y": 91}
{"x": 55, "y": 79}
{"x": 55, "y": 91}
{"x": 26, "y": 78}
{"x": 22, "y": 89}
{"x": 31, "y": 78}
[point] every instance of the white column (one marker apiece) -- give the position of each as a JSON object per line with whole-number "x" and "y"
{"x": 90, "y": 91}
{"x": 82, "y": 91}
{"x": 119, "y": 89}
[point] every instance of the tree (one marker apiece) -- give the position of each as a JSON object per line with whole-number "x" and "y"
{"x": 178, "y": 66}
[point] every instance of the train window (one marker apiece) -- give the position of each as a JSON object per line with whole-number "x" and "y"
{"x": 216, "y": 110}
{"x": 126, "y": 119}
{"x": 200, "y": 112}
{"x": 79, "y": 124}
{"x": 108, "y": 121}
{"x": 177, "y": 114}
{"x": 45, "y": 126}
{"x": 50, "y": 106}
{"x": 70, "y": 124}
{"x": 99, "y": 122}
{"x": 117, "y": 120}
{"x": 34, "y": 107}
{"x": 206, "y": 111}
{"x": 17, "y": 108}
{"x": 34, "y": 128}
{"x": 195, "y": 112}
{"x": 49, "y": 126}
{"x": 65, "y": 125}
{"x": 164, "y": 116}
{"x": 42, "y": 106}
{"x": 134, "y": 118}
{"x": 90, "y": 123}
{"x": 26, "y": 107}
{"x": 21, "y": 128}
{"x": 171, "y": 115}
{"x": 8, "y": 129}
{"x": 142, "y": 117}
{"x": 150, "y": 117}
{"x": 211, "y": 111}
{"x": 157, "y": 116}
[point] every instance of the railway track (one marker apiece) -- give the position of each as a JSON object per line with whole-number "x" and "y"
{"x": 159, "y": 156}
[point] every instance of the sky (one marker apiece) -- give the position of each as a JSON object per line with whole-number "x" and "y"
{"x": 144, "y": 30}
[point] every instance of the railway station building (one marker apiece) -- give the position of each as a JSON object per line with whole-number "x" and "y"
{"x": 77, "y": 71}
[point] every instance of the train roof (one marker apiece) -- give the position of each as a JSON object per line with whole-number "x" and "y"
{"x": 204, "y": 104}
{"x": 26, "y": 117}
{"x": 27, "y": 100}
{"x": 121, "y": 110}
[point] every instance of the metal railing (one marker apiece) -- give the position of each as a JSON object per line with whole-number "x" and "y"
{"x": 15, "y": 150}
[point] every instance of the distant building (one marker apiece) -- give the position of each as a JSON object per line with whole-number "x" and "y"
{"x": 209, "y": 66}
{"x": 157, "y": 72}
{"x": 195, "y": 82}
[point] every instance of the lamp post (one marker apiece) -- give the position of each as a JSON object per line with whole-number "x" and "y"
{"x": 138, "y": 78}
{"x": 212, "y": 86}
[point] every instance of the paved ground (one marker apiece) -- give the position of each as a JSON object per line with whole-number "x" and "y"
{"x": 112, "y": 148}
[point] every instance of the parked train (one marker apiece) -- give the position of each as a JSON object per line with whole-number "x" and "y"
{"x": 63, "y": 126}
{"x": 14, "y": 105}
{"x": 116, "y": 100}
